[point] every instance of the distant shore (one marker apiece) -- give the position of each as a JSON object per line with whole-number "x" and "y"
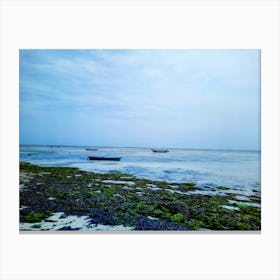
{"x": 64, "y": 198}
{"x": 139, "y": 147}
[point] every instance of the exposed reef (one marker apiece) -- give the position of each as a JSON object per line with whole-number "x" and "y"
{"x": 64, "y": 198}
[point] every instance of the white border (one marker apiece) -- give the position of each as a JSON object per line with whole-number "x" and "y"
{"x": 157, "y": 24}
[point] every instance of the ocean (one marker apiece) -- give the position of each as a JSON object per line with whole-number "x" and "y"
{"x": 234, "y": 169}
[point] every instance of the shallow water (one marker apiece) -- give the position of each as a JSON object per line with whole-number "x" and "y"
{"x": 236, "y": 169}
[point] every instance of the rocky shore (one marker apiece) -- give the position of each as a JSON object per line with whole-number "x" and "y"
{"x": 64, "y": 198}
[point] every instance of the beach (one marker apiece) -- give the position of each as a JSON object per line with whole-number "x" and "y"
{"x": 68, "y": 198}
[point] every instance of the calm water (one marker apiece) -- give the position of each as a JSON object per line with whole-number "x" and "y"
{"x": 239, "y": 169}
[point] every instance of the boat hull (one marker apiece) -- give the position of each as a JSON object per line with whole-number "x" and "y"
{"x": 160, "y": 151}
{"x": 105, "y": 158}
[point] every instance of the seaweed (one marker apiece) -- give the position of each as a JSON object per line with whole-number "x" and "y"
{"x": 144, "y": 205}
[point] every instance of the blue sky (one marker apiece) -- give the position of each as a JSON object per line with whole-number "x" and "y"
{"x": 145, "y": 98}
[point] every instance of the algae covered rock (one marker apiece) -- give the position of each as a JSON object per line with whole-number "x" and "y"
{"x": 120, "y": 201}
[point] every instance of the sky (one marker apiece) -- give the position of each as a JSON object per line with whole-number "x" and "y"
{"x": 205, "y": 99}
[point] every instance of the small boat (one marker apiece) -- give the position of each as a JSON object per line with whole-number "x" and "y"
{"x": 104, "y": 158}
{"x": 160, "y": 150}
{"x": 91, "y": 149}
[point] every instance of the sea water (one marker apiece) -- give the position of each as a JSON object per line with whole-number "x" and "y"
{"x": 235, "y": 169}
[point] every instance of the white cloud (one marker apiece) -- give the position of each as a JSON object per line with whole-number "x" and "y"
{"x": 184, "y": 92}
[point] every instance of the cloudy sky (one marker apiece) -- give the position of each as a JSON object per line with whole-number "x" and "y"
{"x": 141, "y": 98}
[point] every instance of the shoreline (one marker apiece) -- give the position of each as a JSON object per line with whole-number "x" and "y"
{"x": 66, "y": 198}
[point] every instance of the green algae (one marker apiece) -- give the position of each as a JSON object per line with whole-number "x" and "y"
{"x": 194, "y": 224}
{"x": 177, "y": 218}
{"x": 120, "y": 204}
{"x": 33, "y": 217}
{"x": 187, "y": 187}
{"x": 223, "y": 188}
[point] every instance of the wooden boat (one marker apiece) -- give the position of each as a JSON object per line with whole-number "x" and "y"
{"x": 104, "y": 158}
{"x": 160, "y": 150}
{"x": 91, "y": 149}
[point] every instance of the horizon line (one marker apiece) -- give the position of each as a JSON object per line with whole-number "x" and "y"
{"x": 143, "y": 147}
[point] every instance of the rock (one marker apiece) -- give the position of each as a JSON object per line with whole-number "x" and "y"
{"x": 68, "y": 228}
